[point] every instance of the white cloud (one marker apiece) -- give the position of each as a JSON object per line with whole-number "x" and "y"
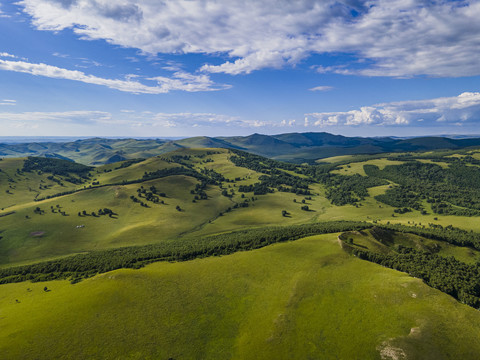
{"x": 7, "y": 55}
{"x": 187, "y": 120}
{"x": 8, "y": 102}
{"x": 398, "y": 38}
{"x": 60, "y": 55}
{"x": 179, "y": 80}
{"x": 81, "y": 116}
{"x": 464, "y": 108}
{"x": 289, "y": 123}
{"x": 199, "y": 119}
{"x": 322, "y": 88}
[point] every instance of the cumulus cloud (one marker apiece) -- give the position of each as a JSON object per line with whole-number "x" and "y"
{"x": 179, "y": 80}
{"x": 464, "y": 108}
{"x": 399, "y": 38}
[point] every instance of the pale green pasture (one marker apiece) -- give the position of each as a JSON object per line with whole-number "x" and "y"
{"x": 266, "y": 210}
{"x": 224, "y": 166}
{"x": 133, "y": 172}
{"x": 335, "y": 159}
{"x": 357, "y": 167}
{"x": 476, "y": 155}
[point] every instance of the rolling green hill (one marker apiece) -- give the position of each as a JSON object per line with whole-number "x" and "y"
{"x": 305, "y": 299}
{"x": 292, "y": 147}
{"x": 219, "y": 190}
{"x": 309, "y": 298}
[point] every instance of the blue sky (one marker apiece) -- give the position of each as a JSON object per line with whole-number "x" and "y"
{"x": 186, "y": 68}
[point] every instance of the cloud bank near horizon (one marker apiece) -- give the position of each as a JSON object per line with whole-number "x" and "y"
{"x": 458, "y": 110}
{"x": 461, "y": 110}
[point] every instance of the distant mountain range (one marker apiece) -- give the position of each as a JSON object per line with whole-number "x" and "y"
{"x": 293, "y": 147}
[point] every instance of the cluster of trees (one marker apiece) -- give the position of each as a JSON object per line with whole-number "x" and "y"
{"x": 199, "y": 191}
{"x": 138, "y": 201}
{"x": 273, "y": 178}
{"x": 100, "y": 212}
{"x": 278, "y": 178}
{"x": 343, "y": 189}
{"x": 457, "y": 185}
{"x": 128, "y": 163}
{"x": 56, "y": 167}
{"x": 214, "y": 177}
{"x": 243, "y": 204}
{"x": 81, "y": 266}
{"x": 228, "y": 194}
{"x": 38, "y": 211}
{"x": 440, "y": 207}
{"x": 400, "y": 197}
{"x": 180, "y": 159}
{"x": 58, "y": 209}
{"x": 152, "y": 194}
{"x": 161, "y": 173}
{"x": 257, "y": 189}
{"x": 58, "y": 181}
{"x": 259, "y": 163}
{"x": 402, "y": 210}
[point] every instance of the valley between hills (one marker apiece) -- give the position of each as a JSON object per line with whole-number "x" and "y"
{"x": 208, "y": 248}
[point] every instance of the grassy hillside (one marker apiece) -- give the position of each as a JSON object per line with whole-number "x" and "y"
{"x": 56, "y": 228}
{"x": 305, "y": 299}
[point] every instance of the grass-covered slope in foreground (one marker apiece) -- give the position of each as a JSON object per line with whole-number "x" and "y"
{"x": 300, "y": 300}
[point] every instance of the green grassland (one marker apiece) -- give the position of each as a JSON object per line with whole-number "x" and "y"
{"x": 304, "y": 299}
{"x": 298, "y": 300}
{"x": 357, "y": 167}
{"x": 28, "y": 237}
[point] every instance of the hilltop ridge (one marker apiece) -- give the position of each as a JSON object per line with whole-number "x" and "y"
{"x": 292, "y": 147}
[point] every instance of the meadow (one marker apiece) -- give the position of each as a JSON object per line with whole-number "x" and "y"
{"x": 297, "y": 300}
{"x": 302, "y": 299}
